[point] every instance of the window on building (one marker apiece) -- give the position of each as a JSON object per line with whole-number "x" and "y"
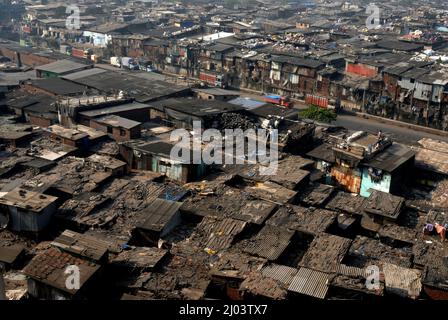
{"x": 122, "y": 132}
{"x": 109, "y": 129}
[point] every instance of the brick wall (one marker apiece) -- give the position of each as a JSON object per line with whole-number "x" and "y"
{"x": 361, "y": 69}
{"x": 32, "y": 89}
{"x": 118, "y": 134}
{"x": 28, "y": 59}
{"x": 39, "y": 121}
{"x": 121, "y": 135}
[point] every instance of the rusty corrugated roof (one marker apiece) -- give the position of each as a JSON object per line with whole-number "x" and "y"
{"x": 278, "y": 272}
{"x": 218, "y": 234}
{"x": 269, "y": 243}
{"x": 159, "y": 213}
{"x": 82, "y": 245}
{"x": 49, "y": 266}
{"x": 310, "y": 282}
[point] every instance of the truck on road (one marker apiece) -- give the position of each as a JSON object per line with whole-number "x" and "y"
{"x": 278, "y": 100}
{"x": 115, "y": 61}
{"x": 129, "y": 63}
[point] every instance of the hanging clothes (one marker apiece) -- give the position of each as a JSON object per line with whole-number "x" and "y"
{"x": 428, "y": 228}
{"x": 441, "y": 230}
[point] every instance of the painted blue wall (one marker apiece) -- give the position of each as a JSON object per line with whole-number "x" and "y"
{"x": 367, "y": 183}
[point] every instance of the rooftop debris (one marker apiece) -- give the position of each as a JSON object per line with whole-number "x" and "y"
{"x": 129, "y": 199}
{"x": 260, "y": 286}
{"x": 82, "y": 245}
{"x": 317, "y": 195}
{"x": 325, "y": 253}
{"x": 365, "y": 250}
{"x": 236, "y": 265}
{"x": 271, "y": 192}
{"x": 269, "y": 243}
{"x": 314, "y": 221}
{"x": 384, "y": 204}
{"x": 220, "y": 201}
{"x": 218, "y": 234}
{"x": 402, "y": 281}
{"x": 432, "y": 156}
{"x": 49, "y": 266}
{"x": 142, "y": 259}
{"x": 344, "y": 202}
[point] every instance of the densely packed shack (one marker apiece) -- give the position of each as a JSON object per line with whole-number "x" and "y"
{"x": 231, "y": 233}
{"x": 87, "y": 177}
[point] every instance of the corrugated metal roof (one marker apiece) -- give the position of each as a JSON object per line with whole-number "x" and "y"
{"x": 159, "y": 213}
{"x": 63, "y": 66}
{"x": 262, "y": 286}
{"x": 83, "y": 73}
{"x": 117, "y": 121}
{"x": 402, "y": 281}
{"x": 297, "y": 61}
{"x": 432, "y": 156}
{"x": 346, "y": 202}
{"x": 310, "y": 282}
{"x": 284, "y": 274}
{"x": 144, "y": 258}
{"x": 58, "y": 86}
{"x": 326, "y": 252}
{"x": 269, "y": 243}
{"x": 383, "y": 204}
{"x": 370, "y": 249}
{"x": 350, "y": 271}
{"x": 115, "y": 109}
{"x": 219, "y": 234}
{"x": 28, "y": 200}
{"x": 9, "y": 254}
{"x": 247, "y": 103}
{"x": 142, "y": 90}
{"x": 323, "y": 152}
{"x": 80, "y": 244}
{"x": 303, "y": 219}
{"x": 195, "y": 107}
{"x": 50, "y": 265}
{"x": 391, "y": 158}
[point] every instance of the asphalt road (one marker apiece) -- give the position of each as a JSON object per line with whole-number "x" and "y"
{"x": 352, "y": 122}
{"x": 399, "y": 134}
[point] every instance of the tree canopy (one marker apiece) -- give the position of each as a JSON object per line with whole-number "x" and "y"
{"x": 317, "y": 113}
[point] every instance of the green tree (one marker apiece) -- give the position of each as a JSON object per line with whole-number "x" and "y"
{"x": 317, "y": 113}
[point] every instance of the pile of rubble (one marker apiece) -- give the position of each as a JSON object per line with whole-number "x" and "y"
{"x": 439, "y": 197}
{"x": 109, "y": 148}
{"x": 236, "y": 121}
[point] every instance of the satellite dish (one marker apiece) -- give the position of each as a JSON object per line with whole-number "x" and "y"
{"x": 4, "y": 220}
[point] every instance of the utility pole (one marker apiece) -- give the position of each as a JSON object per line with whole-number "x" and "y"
{"x": 364, "y": 100}
{"x": 428, "y": 104}
{"x": 2, "y": 284}
{"x": 262, "y": 80}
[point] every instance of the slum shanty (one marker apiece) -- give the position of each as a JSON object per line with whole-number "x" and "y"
{"x": 353, "y": 121}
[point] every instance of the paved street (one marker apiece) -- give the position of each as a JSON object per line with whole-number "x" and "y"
{"x": 352, "y": 122}
{"x": 400, "y": 134}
